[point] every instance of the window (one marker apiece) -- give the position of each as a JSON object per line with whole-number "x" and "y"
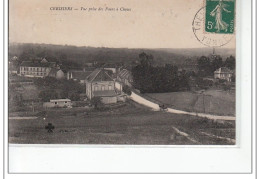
{"x": 102, "y": 88}
{"x": 109, "y": 87}
{"x": 65, "y": 102}
{"x": 55, "y": 103}
{"x": 95, "y": 88}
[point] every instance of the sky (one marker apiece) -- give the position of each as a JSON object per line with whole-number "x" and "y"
{"x": 149, "y": 24}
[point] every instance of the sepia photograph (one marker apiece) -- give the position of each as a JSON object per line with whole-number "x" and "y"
{"x": 122, "y": 72}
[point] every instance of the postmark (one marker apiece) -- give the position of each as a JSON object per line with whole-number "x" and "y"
{"x": 210, "y": 39}
{"x": 220, "y": 16}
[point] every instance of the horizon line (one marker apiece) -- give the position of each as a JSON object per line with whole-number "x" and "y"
{"x": 206, "y": 47}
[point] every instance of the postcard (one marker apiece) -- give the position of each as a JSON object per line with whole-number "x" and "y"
{"x": 123, "y": 73}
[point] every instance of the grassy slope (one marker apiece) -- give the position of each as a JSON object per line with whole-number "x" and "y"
{"x": 130, "y": 124}
{"x": 216, "y": 102}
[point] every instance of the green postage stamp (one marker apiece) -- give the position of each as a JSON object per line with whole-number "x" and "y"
{"x": 220, "y": 16}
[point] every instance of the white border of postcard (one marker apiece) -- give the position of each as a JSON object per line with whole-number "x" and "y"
{"x": 146, "y": 159}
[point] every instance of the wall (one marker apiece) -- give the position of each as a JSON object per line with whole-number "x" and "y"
{"x": 109, "y": 100}
{"x": 118, "y": 86}
{"x": 105, "y": 84}
{"x": 59, "y": 104}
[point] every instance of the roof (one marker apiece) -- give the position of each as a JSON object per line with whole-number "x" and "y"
{"x": 223, "y": 70}
{"x": 81, "y": 75}
{"x": 125, "y": 74}
{"x": 109, "y": 65}
{"x": 37, "y": 64}
{"x": 59, "y": 100}
{"x": 53, "y": 72}
{"x": 99, "y": 75}
{"x": 104, "y": 93}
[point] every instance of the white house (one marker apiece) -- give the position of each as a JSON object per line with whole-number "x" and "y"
{"x": 223, "y": 73}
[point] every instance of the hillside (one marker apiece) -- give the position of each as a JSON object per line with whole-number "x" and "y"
{"x": 82, "y": 55}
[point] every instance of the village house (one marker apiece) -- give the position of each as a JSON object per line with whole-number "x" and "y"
{"x": 77, "y": 75}
{"x": 223, "y": 73}
{"x": 56, "y": 73}
{"x": 12, "y": 67}
{"x": 100, "y": 84}
{"x": 90, "y": 64}
{"x": 36, "y": 68}
{"x": 110, "y": 67}
{"x": 60, "y": 103}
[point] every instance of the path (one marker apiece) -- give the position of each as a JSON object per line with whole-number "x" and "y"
{"x": 22, "y": 117}
{"x": 141, "y": 100}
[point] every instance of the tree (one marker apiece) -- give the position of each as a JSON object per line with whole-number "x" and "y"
{"x": 216, "y": 63}
{"x": 142, "y": 72}
{"x": 230, "y": 62}
{"x": 145, "y": 60}
{"x": 150, "y": 79}
{"x": 74, "y": 96}
{"x": 64, "y": 94}
{"x": 46, "y": 95}
{"x": 126, "y": 89}
{"x": 204, "y": 66}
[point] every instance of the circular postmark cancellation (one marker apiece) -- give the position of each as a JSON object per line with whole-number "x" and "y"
{"x": 210, "y": 39}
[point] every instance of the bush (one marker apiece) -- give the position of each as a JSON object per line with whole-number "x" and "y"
{"x": 127, "y": 90}
{"x": 46, "y": 95}
{"x": 204, "y": 83}
{"x": 96, "y": 102}
{"x": 226, "y": 87}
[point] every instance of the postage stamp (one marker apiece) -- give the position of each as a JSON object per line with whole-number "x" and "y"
{"x": 220, "y": 16}
{"x": 210, "y": 39}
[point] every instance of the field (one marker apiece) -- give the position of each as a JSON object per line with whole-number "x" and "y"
{"x": 215, "y": 101}
{"x": 126, "y": 124}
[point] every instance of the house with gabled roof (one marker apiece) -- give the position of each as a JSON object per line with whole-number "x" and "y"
{"x": 100, "y": 84}
{"x": 223, "y": 73}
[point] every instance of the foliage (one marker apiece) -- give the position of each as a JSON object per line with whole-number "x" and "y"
{"x": 204, "y": 66}
{"x": 74, "y": 96}
{"x": 96, "y": 102}
{"x": 61, "y": 88}
{"x": 46, "y": 95}
{"x": 204, "y": 83}
{"x": 233, "y": 78}
{"x": 126, "y": 89}
{"x": 226, "y": 87}
{"x": 150, "y": 79}
{"x": 207, "y": 67}
{"x": 230, "y": 62}
{"x": 216, "y": 63}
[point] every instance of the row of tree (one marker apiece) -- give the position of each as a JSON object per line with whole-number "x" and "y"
{"x": 151, "y": 79}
